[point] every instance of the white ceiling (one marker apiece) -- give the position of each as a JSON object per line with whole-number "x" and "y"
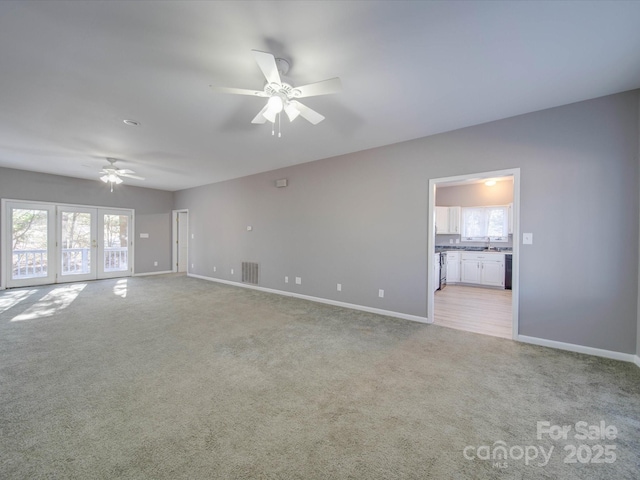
{"x": 71, "y": 72}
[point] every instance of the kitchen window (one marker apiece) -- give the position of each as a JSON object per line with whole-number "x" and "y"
{"x": 480, "y": 224}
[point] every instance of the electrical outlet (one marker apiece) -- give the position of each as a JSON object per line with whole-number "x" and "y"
{"x": 286, "y": 279}
{"x": 457, "y": 240}
{"x": 450, "y": 241}
{"x": 381, "y": 293}
{"x": 339, "y": 287}
{"x": 527, "y": 238}
{"x": 192, "y": 265}
{"x": 298, "y": 281}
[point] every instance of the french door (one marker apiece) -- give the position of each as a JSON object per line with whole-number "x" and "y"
{"x": 47, "y": 243}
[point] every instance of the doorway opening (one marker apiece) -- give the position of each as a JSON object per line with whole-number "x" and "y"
{"x": 180, "y": 231}
{"x": 473, "y": 252}
{"x": 46, "y": 243}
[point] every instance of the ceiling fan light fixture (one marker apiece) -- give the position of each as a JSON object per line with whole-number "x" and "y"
{"x": 274, "y": 107}
{"x": 111, "y": 178}
{"x": 275, "y": 104}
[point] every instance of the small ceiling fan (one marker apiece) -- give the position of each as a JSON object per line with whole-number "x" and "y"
{"x": 112, "y": 174}
{"x": 283, "y": 96}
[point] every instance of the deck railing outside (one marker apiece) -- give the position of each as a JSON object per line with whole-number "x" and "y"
{"x": 34, "y": 263}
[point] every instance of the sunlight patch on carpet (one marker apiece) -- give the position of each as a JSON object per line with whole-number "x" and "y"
{"x": 52, "y": 303}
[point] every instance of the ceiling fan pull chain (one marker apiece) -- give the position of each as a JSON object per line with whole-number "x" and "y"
{"x": 279, "y": 129}
{"x": 273, "y": 128}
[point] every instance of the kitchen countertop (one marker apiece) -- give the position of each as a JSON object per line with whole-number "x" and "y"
{"x": 472, "y": 249}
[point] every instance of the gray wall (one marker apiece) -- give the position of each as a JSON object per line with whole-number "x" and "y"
{"x": 477, "y": 194}
{"x": 361, "y": 220}
{"x": 152, "y": 208}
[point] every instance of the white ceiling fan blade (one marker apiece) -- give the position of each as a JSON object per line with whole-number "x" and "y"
{"x": 325, "y": 87}
{"x": 267, "y": 63}
{"x": 291, "y": 111}
{"x": 260, "y": 118}
{"x": 307, "y": 113}
{"x": 125, "y": 171}
{"x": 128, "y": 175}
{"x": 238, "y": 91}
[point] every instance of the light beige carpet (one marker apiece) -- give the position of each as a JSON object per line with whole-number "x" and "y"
{"x": 177, "y": 378}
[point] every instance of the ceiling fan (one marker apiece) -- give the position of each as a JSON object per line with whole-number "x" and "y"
{"x": 283, "y": 96}
{"x": 112, "y": 174}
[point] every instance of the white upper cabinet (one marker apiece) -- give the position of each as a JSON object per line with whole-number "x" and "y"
{"x": 448, "y": 220}
{"x": 454, "y": 219}
{"x": 442, "y": 219}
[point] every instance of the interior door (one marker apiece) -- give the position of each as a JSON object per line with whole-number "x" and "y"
{"x": 114, "y": 243}
{"x": 30, "y": 244}
{"x": 77, "y": 244}
{"x": 183, "y": 241}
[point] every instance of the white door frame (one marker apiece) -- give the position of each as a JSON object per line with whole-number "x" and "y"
{"x": 5, "y": 232}
{"x": 6, "y": 243}
{"x": 101, "y": 212}
{"x": 174, "y": 235}
{"x": 93, "y": 258}
{"x": 515, "y": 280}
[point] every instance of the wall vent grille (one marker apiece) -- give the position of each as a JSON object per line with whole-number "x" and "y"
{"x": 250, "y": 273}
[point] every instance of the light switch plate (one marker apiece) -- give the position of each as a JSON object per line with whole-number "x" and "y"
{"x": 298, "y": 281}
{"x": 527, "y": 238}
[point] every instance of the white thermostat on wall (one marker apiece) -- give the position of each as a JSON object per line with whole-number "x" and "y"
{"x": 281, "y": 183}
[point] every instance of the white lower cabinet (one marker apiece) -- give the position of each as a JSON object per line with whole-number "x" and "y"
{"x": 453, "y": 267}
{"x": 436, "y": 272}
{"x": 470, "y": 271}
{"x": 492, "y": 273}
{"x": 482, "y": 269}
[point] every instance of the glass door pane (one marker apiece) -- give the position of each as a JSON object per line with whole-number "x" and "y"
{"x": 77, "y": 243}
{"x": 31, "y": 241}
{"x": 114, "y": 246}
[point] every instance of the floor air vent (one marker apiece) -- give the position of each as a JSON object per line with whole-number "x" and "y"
{"x": 250, "y": 273}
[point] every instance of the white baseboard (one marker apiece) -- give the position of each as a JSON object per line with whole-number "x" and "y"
{"x": 636, "y": 360}
{"x": 598, "y": 352}
{"x": 388, "y": 313}
{"x": 151, "y": 273}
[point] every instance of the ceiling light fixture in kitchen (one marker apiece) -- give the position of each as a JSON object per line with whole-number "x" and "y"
{"x": 490, "y": 183}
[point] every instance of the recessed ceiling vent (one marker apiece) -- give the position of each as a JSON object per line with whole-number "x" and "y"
{"x": 250, "y": 273}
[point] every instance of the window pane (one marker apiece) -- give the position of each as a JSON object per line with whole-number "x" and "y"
{"x": 76, "y": 243}
{"x": 116, "y": 241}
{"x": 480, "y": 223}
{"x": 29, "y": 238}
{"x": 497, "y": 220}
